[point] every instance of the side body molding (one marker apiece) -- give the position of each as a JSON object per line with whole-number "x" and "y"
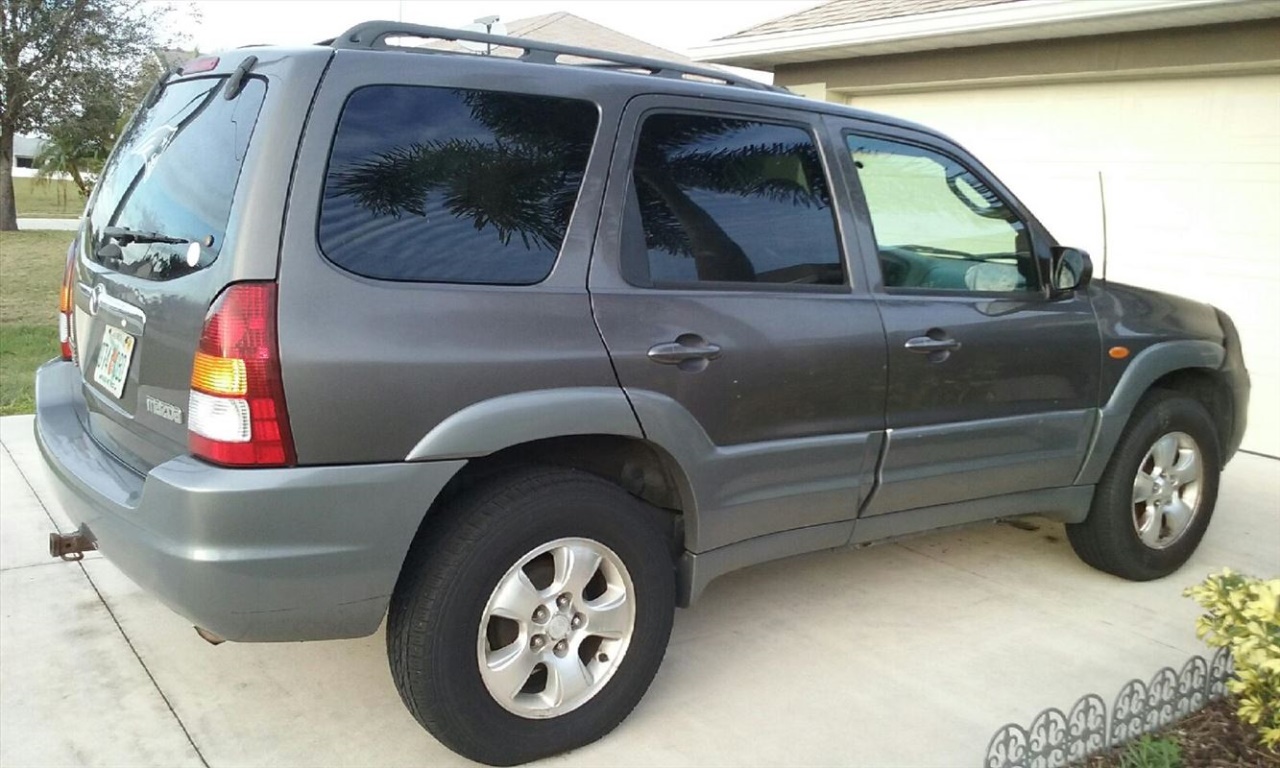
{"x": 735, "y": 493}
{"x": 1145, "y": 369}
{"x": 501, "y": 422}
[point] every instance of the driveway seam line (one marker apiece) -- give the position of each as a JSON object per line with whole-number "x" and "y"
{"x": 30, "y": 487}
{"x": 145, "y": 668}
{"x": 8, "y": 568}
{"x": 154, "y": 683}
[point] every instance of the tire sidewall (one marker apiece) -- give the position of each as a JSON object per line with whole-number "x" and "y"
{"x": 1160, "y": 415}
{"x": 581, "y": 507}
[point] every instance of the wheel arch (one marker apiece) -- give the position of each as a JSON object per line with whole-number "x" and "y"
{"x": 591, "y": 429}
{"x": 1188, "y": 366}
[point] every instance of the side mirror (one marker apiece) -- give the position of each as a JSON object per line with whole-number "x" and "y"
{"x": 1069, "y": 270}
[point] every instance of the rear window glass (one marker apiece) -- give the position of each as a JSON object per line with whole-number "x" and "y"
{"x": 451, "y": 185}
{"x": 175, "y": 173}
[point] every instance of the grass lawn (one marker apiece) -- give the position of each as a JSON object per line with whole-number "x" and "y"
{"x": 31, "y": 265}
{"x": 52, "y": 199}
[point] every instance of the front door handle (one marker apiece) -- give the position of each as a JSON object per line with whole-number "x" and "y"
{"x": 690, "y": 352}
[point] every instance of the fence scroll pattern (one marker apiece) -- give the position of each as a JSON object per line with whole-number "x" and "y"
{"x": 1055, "y": 739}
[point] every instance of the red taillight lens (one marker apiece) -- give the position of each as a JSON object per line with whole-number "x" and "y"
{"x": 67, "y": 305}
{"x": 237, "y": 415}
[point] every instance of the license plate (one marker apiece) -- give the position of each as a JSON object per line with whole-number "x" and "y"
{"x": 113, "y": 360}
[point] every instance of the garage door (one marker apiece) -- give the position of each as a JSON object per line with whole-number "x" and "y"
{"x": 1191, "y": 174}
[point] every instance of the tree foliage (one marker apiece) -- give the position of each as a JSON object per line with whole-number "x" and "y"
{"x": 69, "y": 66}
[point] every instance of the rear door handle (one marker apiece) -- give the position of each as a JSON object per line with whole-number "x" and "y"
{"x": 689, "y": 351}
{"x": 926, "y": 344}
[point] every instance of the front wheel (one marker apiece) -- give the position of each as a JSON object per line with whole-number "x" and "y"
{"x": 1155, "y": 499}
{"x": 532, "y": 615}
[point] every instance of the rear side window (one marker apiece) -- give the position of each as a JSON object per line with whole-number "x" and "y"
{"x": 721, "y": 200}
{"x": 451, "y": 185}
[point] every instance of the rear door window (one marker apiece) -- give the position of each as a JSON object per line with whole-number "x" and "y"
{"x": 175, "y": 173}
{"x": 725, "y": 200}
{"x": 453, "y": 185}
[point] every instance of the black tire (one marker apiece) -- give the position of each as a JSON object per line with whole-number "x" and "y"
{"x": 454, "y": 566}
{"x": 1108, "y": 539}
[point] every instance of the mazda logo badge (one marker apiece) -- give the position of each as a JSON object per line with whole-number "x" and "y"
{"x": 95, "y": 298}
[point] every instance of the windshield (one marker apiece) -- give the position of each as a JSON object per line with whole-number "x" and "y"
{"x": 174, "y": 172}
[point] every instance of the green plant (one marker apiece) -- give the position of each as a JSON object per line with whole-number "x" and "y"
{"x": 1243, "y": 614}
{"x": 1149, "y": 752}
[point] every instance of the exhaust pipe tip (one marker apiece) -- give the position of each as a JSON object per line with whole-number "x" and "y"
{"x": 209, "y": 637}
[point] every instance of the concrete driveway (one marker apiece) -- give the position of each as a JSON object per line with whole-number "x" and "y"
{"x": 908, "y": 654}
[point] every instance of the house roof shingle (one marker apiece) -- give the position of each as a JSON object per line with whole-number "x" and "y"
{"x": 840, "y": 12}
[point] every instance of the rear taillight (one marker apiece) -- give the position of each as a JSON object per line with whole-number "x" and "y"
{"x": 237, "y": 415}
{"x": 67, "y": 306}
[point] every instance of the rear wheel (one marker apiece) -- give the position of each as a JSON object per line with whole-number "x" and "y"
{"x": 1155, "y": 499}
{"x": 531, "y": 615}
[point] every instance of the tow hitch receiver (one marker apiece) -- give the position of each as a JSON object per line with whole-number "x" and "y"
{"x": 72, "y": 546}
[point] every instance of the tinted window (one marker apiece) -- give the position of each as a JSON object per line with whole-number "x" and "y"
{"x": 175, "y": 172}
{"x": 456, "y": 186}
{"x": 724, "y": 200}
{"x": 938, "y": 225}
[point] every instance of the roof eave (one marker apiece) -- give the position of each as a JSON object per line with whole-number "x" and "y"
{"x": 981, "y": 25}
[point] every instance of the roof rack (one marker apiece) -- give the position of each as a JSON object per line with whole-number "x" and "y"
{"x": 372, "y": 35}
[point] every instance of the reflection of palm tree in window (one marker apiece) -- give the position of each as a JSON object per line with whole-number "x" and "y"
{"x": 522, "y": 180}
{"x": 677, "y": 155}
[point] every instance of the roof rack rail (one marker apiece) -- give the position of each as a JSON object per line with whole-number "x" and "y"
{"x": 372, "y": 35}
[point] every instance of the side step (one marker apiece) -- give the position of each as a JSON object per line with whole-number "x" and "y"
{"x": 72, "y": 546}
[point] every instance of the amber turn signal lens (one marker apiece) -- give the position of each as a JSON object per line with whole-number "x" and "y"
{"x": 1118, "y": 353}
{"x": 219, "y": 375}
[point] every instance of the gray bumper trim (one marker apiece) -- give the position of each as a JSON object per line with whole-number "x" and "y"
{"x": 303, "y": 553}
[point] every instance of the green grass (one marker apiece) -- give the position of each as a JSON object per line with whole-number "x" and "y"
{"x": 1151, "y": 752}
{"x": 31, "y": 265}
{"x": 52, "y": 199}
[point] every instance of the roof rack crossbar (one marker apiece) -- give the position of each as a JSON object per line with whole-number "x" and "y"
{"x": 372, "y": 35}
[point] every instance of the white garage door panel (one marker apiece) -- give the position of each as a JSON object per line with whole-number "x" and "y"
{"x": 1191, "y": 171}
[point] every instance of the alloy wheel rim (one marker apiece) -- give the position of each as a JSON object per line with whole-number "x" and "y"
{"x": 556, "y": 627}
{"x": 1167, "y": 490}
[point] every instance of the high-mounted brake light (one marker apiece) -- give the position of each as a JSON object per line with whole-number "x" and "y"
{"x": 201, "y": 64}
{"x": 237, "y": 415}
{"x": 67, "y": 306}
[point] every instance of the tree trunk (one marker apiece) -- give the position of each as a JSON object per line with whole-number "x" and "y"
{"x": 8, "y": 209}
{"x": 74, "y": 170}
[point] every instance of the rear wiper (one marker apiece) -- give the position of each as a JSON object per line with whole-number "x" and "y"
{"x": 126, "y": 236}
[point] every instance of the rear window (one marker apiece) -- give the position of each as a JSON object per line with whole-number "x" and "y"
{"x": 451, "y": 185}
{"x": 174, "y": 173}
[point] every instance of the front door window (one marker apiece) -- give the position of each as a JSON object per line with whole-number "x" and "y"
{"x": 938, "y": 226}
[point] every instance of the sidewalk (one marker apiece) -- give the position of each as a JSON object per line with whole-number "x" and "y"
{"x": 908, "y": 654}
{"x": 70, "y": 225}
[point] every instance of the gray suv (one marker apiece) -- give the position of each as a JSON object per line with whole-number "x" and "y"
{"x": 520, "y": 352}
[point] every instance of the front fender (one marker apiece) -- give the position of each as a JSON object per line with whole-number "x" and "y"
{"x": 1147, "y": 367}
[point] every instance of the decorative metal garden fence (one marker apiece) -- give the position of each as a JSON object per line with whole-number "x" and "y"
{"x": 1056, "y": 739}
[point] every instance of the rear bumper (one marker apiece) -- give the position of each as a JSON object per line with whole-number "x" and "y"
{"x": 303, "y": 553}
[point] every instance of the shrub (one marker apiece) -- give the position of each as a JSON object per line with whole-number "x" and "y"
{"x": 1243, "y": 614}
